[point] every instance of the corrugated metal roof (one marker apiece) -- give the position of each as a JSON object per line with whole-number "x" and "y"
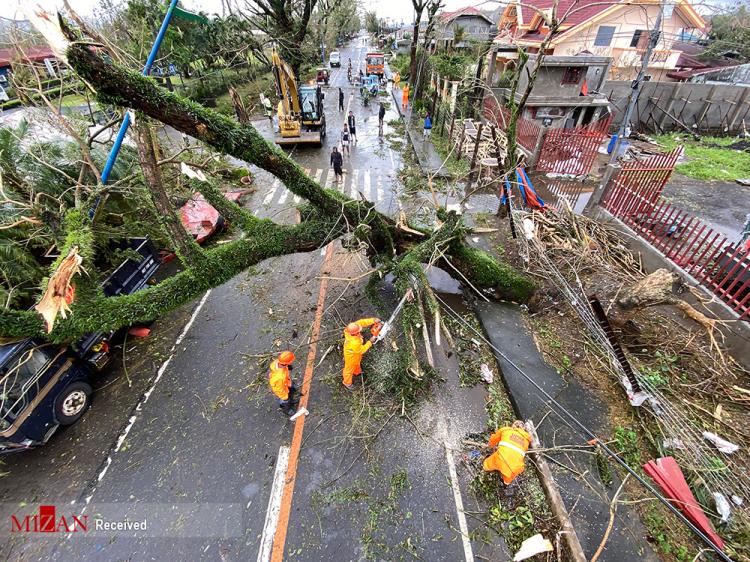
{"x": 35, "y": 53}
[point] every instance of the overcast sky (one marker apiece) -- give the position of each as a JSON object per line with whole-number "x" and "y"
{"x": 395, "y": 10}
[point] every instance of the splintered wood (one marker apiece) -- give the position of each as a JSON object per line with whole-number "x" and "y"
{"x": 466, "y": 135}
{"x": 60, "y": 292}
{"x": 568, "y": 232}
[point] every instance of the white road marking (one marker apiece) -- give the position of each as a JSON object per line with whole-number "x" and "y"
{"x": 270, "y": 194}
{"x": 147, "y": 394}
{"x": 284, "y": 195}
{"x": 379, "y": 183}
{"x": 468, "y": 554}
{"x": 367, "y": 188}
{"x": 318, "y": 174}
{"x": 355, "y": 183}
{"x": 274, "y": 505}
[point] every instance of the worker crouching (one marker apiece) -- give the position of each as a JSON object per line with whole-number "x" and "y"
{"x": 281, "y": 382}
{"x": 355, "y": 347}
{"x": 512, "y": 444}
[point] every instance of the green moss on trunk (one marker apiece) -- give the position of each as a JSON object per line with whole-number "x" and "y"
{"x": 96, "y": 312}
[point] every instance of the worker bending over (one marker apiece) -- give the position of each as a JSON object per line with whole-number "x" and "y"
{"x": 512, "y": 444}
{"x": 355, "y": 347}
{"x": 281, "y": 382}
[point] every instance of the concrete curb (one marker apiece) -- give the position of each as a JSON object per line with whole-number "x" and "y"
{"x": 555, "y": 499}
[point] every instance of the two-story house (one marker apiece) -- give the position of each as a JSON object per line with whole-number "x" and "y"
{"x": 476, "y": 25}
{"x": 619, "y": 30}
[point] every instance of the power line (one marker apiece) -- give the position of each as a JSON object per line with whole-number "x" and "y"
{"x": 590, "y": 434}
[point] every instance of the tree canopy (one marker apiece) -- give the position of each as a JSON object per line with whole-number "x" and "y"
{"x": 327, "y": 215}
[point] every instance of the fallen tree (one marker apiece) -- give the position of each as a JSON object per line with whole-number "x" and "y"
{"x": 327, "y": 215}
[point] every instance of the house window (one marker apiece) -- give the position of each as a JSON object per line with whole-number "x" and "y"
{"x": 637, "y": 34}
{"x": 641, "y": 37}
{"x": 604, "y": 36}
{"x": 572, "y": 75}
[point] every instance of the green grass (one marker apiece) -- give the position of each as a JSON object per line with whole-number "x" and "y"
{"x": 709, "y": 159}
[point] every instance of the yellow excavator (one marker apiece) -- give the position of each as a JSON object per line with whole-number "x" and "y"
{"x": 300, "y": 109}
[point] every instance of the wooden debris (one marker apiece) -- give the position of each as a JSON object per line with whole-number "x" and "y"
{"x": 60, "y": 293}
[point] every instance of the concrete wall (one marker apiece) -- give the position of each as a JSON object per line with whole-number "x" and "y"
{"x": 704, "y": 108}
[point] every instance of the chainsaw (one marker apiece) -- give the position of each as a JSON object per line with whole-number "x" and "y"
{"x": 381, "y": 329}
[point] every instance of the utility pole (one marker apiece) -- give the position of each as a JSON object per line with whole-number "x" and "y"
{"x": 636, "y": 85}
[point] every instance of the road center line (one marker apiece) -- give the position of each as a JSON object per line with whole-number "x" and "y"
{"x": 274, "y": 505}
{"x": 468, "y": 554}
{"x": 279, "y": 538}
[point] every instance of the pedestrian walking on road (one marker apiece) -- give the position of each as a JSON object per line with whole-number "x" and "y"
{"x": 405, "y": 97}
{"x": 381, "y": 116}
{"x": 341, "y": 100}
{"x": 512, "y": 443}
{"x": 352, "y": 122}
{"x": 345, "y": 139}
{"x": 396, "y": 80}
{"x": 281, "y": 382}
{"x": 354, "y": 348}
{"x": 427, "y": 126}
{"x": 337, "y": 162}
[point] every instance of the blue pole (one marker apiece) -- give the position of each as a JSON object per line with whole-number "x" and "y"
{"x": 126, "y": 121}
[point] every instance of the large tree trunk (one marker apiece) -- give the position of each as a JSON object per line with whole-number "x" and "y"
{"x": 330, "y": 215}
{"x": 413, "y": 48}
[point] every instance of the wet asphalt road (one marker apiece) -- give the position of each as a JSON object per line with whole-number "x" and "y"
{"x": 197, "y": 458}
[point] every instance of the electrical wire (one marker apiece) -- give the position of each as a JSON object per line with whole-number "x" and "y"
{"x": 672, "y": 421}
{"x": 585, "y": 431}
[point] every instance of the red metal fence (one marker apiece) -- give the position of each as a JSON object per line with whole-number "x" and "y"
{"x": 718, "y": 264}
{"x": 572, "y": 151}
{"x": 527, "y": 131}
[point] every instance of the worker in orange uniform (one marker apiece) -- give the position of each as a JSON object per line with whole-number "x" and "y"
{"x": 405, "y": 97}
{"x": 281, "y": 382}
{"x": 512, "y": 444}
{"x": 355, "y": 347}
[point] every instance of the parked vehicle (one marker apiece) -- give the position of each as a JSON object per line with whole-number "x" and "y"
{"x": 335, "y": 59}
{"x": 322, "y": 76}
{"x": 375, "y": 64}
{"x": 371, "y": 84}
{"x": 43, "y": 385}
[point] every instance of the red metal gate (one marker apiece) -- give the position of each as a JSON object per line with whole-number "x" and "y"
{"x": 721, "y": 266}
{"x": 572, "y": 151}
{"x": 527, "y": 131}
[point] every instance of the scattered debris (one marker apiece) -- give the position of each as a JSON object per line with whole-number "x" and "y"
{"x": 722, "y": 506}
{"x": 533, "y": 546}
{"x": 301, "y": 412}
{"x": 139, "y": 331}
{"x": 487, "y": 375}
{"x": 722, "y": 444}
{"x": 673, "y": 443}
{"x": 667, "y": 474}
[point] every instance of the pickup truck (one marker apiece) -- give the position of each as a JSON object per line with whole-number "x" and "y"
{"x": 44, "y": 386}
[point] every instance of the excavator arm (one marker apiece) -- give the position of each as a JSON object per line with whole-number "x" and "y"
{"x": 289, "y": 110}
{"x": 286, "y": 88}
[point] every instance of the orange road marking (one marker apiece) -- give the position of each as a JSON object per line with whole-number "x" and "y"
{"x": 279, "y": 539}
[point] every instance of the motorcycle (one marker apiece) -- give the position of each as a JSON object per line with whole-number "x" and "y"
{"x": 365, "y": 97}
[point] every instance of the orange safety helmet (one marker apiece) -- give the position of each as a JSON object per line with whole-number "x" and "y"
{"x": 353, "y": 329}
{"x": 286, "y": 357}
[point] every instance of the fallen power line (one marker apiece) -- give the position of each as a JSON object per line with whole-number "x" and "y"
{"x": 585, "y": 431}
